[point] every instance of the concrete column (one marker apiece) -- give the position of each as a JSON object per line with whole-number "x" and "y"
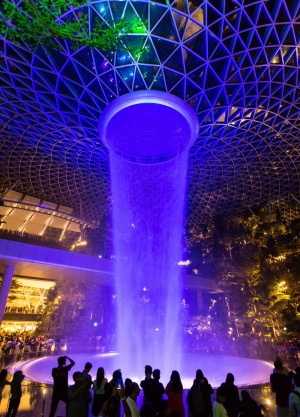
{"x": 5, "y": 287}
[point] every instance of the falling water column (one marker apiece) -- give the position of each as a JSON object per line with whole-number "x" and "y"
{"x": 148, "y": 135}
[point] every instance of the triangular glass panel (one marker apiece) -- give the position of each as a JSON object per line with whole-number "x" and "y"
{"x": 193, "y": 5}
{"x": 199, "y": 43}
{"x": 164, "y": 48}
{"x": 175, "y": 61}
{"x": 18, "y": 69}
{"x": 127, "y": 74}
{"x": 171, "y": 78}
{"x": 264, "y": 17}
{"x": 191, "y": 60}
{"x": 210, "y": 79}
{"x": 122, "y": 88}
{"x": 129, "y": 13}
{"x": 245, "y": 22}
{"x": 100, "y": 9}
{"x": 108, "y": 93}
{"x": 180, "y": 21}
{"x": 260, "y": 58}
{"x": 220, "y": 67}
{"x": 178, "y": 90}
{"x": 248, "y": 75}
{"x": 76, "y": 89}
{"x": 139, "y": 83}
{"x": 166, "y": 28}
{"x": 223, "y": 99}
{"x": 272, "y": 37}
{"x": 71, "y": 73}
{"x": 260, "y": 71}
{"x": 135, "y": 44}
{"x": 179, "y": 5}
{"x": 291, "y": 58}
{"x": 148, "y": 72}
{"x": 198, "y": 76}
{"x": 247, "y": 62}
{"x": 203, "y": 115}
{"x": 96, "y": 90}
{"x": 212, "y": 95}
{"x": 17, "y": 54}
{"x": 109, "y": 79}
{"x": 277, "y": 73}
{"x": 288, "y": 37}
{"x": 191, "y": 29}
{"x": 162, "y": 2}
{"x": 142, "y": 11}
{"x": 138, "y": 26}
{"x": 158, "y": 82}
{"x": 41, "y": 64}
{"x": 85, "y": 111}
{"x": 220, "y": 114}
{"x": 230, "y": 90}
{"x": 199, "y": 14}
{"x": 156, "y": 14}
{"x": 101, "y": 62}
{"x": 148, "y": 54}
{"x": 117, "y": 9}
{"x": 290, "y": 75}
{"x": 239, "y": 47}
{"x": 66, "y": 105}
{"x": 123, "y": 57}
{"x": 282, "y": 15}
{"x": 212, "y": 15}
{"x": 191, "y": 89}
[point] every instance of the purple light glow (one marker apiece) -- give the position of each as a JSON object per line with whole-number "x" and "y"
{"x": 215, "y": 367}
{"x": 148, "y": 135}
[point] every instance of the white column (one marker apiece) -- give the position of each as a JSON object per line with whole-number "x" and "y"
{"x": 5, "y": 287}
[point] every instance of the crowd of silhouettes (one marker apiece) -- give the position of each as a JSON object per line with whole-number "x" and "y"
{"x": 115, "y": 397}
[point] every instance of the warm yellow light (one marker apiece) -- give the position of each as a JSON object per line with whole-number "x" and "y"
{"x": 185, "y": 263}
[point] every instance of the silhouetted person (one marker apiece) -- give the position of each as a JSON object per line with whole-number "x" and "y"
{"x": 99, "y": 392}
{"x": 87, "y": 379}
{"x": 158, "y": 390}
{"x": 16, "y": 394}
{"x": 174, "y": 391}
{"x": 281, "y": 385}
{"x": 294, "y": 397}
{"x": 232, "y": 396}
{"x": 248, "y": 407}
{"x": 134, "y": 391}
{"x": 60, "y": 384}
{"x": 148, "y": 385}
{"x": 198, "y": 398}
{"x": 3, "y": 382}
{"x": 218, "y": 407}
{"x": 77, "y": 397}
{"x": 127, "y": 383}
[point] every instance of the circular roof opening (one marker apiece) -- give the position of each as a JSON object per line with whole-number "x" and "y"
{"x": 148, "y": 127}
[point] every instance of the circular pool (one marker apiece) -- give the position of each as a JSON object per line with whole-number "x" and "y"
{"x": 215, "y": 367}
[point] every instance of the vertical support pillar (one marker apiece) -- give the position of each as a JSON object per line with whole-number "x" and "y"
{"x": 5, "y": 287}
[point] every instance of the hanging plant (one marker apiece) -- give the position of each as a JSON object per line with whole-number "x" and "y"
{"x": 41, "y": 23}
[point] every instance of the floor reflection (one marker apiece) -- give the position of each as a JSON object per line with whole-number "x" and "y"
{"x": 36, "y": 400}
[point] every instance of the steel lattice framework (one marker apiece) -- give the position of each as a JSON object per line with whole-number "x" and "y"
{"x": 236, "y": 62}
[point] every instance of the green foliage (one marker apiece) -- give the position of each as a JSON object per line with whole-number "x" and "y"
{"x": 41, "y": 24}
{"x": 256, "y": 260}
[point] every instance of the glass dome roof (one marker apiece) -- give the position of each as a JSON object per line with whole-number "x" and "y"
{"x": 235, "y": 62}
